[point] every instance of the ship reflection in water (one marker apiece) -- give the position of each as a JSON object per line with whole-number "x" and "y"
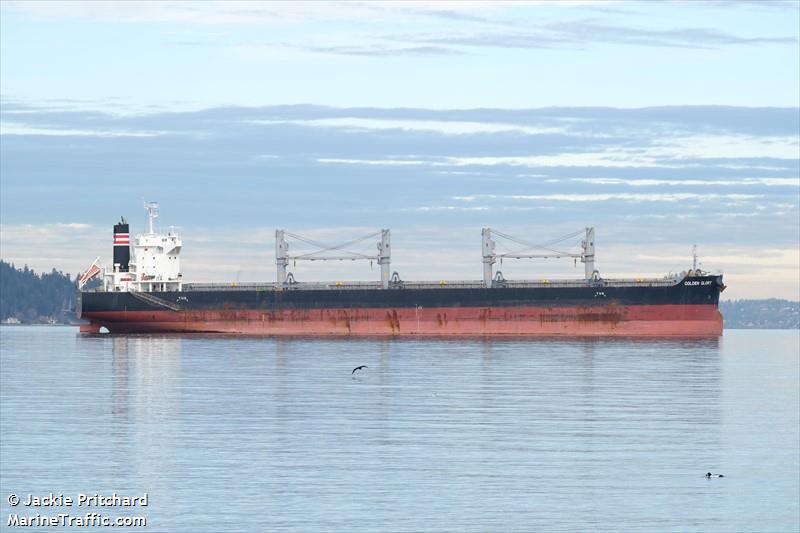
{"x": 467, "y": 434}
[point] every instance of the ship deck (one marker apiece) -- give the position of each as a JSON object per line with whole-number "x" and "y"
{"x": 444, "y": 284}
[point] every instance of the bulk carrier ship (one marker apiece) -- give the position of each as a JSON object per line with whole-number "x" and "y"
{"x": 145, "y": 292}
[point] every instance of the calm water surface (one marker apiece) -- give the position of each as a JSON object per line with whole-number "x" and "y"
{"x": 233, "y": 434}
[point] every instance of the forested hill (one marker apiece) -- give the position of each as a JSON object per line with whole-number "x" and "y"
{"x": 35, "y": 298}
{"x": 761, "y": 314}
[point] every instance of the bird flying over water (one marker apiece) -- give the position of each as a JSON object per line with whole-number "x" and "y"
{"x": 358, "y": 368}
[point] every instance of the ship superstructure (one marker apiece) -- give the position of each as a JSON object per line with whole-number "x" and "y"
{"x": 154, "y": 265}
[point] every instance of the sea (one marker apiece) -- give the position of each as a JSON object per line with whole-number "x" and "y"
{"x": 223, "y": 433}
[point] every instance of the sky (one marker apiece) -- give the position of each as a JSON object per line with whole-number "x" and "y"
{"x": 662, "y": 125}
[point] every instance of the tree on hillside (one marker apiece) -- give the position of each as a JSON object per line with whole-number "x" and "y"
{"x": 33, "y": 298}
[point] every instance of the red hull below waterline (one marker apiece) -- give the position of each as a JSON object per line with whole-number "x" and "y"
{"x": 624, "y": 321}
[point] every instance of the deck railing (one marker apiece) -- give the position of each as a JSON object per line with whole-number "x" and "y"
{"x": 360, "y": 285}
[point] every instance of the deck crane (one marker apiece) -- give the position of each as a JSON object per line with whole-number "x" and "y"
{"x": 545, "y": 251}
{"x": 327, "y": 252}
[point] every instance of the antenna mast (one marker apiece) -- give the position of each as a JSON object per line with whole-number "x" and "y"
{"x": 152, "y": 215}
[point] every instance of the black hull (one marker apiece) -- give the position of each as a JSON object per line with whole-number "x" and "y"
{"x": 690, "y": 291}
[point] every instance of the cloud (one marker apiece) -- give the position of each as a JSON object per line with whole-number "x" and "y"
{"x": 442, "y": 126}
{"x": 585, "y": 32}
{"x": 251, "y": 49}
{"x": 605, "y": 197}
{"x": 585, "y": 121}
{"x": 465, "y": 16}
{"x": 11, "y": 128}
{"x": 460, "y": 27}
{"x": 789, "y": 5}
{"x": 676, "y": 37}
{"x": 770, "y": 182}
{"x": 201, "y": 13}
{"x": 383, "y": 51}
{"x": 57, "y": 231}
{"x": 376, "y": 162}
{"x": 47, "y": 246}
{"x": 450, "y": 208}
{"x": 573, "y": 34}
{"x": 230, "y": 175}
{"x": 285, "y": 12}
